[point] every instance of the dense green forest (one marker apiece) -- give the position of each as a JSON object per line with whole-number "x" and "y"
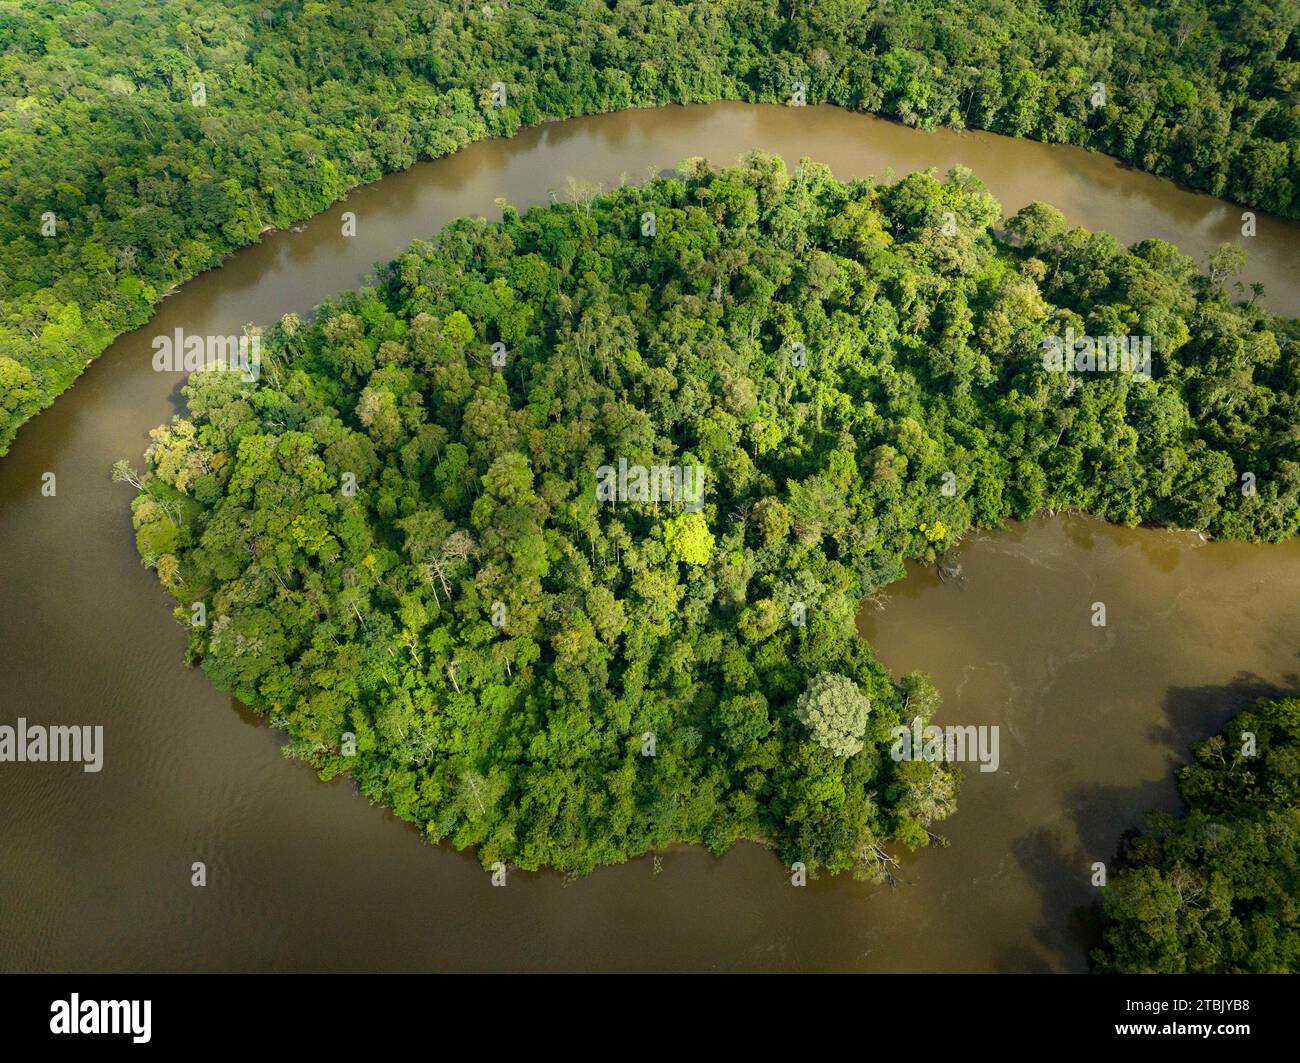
{"x": 1217, "y": 890}
{"x": 120, "y": 177}
{"x": 402, "y": 531}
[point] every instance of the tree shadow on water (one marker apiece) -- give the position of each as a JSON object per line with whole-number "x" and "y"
{"x": 1193, "y": 714}
{"x": 1057, "y": 858}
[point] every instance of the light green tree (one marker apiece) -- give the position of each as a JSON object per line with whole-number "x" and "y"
{"x": 835, "y": 711}
{"x": 688, "y": 539}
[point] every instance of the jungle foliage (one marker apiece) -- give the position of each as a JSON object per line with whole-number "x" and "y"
{"x": 1216, "y": 890}
{"x": 100, "y": 139}
{"x": 859, "y": 370}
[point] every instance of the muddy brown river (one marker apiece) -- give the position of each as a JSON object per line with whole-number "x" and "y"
{"x": 95, "y": 867}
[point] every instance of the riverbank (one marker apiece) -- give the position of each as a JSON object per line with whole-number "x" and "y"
{"x": 303, "y": 875}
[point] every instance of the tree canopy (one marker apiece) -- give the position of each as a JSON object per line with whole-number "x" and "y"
{"x": 141, "y": 142}
{"x": 835, "y": 711}
{"x": 405, "y": 561}
{"x": 1216, "y": 890}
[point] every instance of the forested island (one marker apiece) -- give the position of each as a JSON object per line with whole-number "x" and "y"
{"x": 141, "y": 142}
{"x": 396, "y": 544}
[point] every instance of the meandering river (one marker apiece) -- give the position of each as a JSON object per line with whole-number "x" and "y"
{"x": 95, "y": 868}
